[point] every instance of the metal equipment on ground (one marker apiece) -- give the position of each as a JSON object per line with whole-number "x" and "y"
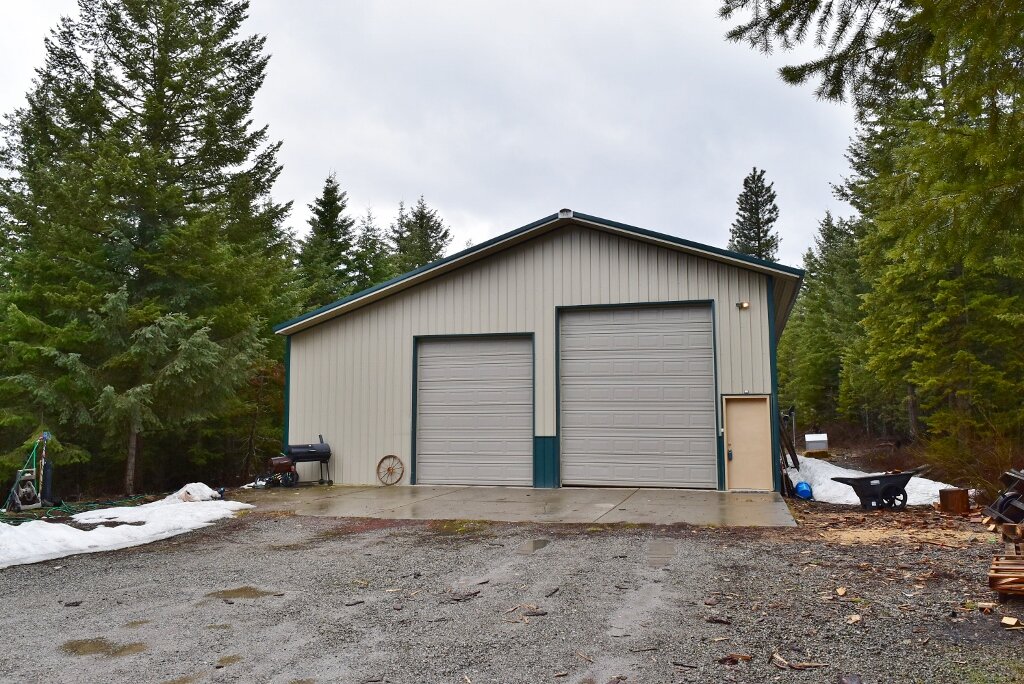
{"x": 882, "y": 491}
{"x": 31, "y": 485}
{"x": 282, "y": 471}
{"x": 1009, "y": 506}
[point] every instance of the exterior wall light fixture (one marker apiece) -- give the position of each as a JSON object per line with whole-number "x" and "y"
{"x": 742, "y": 305}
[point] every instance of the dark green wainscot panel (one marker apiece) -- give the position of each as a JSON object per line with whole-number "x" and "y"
{"x": 545, "y": 462}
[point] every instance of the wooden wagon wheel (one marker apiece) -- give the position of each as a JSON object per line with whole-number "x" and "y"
{"x": 390, "y": 470}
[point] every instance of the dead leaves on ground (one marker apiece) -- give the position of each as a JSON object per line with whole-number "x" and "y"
{"x": 783, "y": 664}
{"x": 524, "y": 611}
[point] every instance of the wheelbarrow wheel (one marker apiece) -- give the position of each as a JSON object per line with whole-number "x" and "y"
{"x": 894, "y": 497}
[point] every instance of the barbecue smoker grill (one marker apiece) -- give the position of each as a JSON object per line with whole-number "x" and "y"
{"x": 282, "y": 468}
{"x": 309, "y": 453}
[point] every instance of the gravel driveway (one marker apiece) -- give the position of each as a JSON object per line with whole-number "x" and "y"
{"x": 271, "y": 597}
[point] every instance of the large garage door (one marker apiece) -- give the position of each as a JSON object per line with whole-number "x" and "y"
{"x": 638, "y": 397}
{"x": 474, "y": 417}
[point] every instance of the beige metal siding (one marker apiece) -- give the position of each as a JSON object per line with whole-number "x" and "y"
{"x": 351, "y": 377}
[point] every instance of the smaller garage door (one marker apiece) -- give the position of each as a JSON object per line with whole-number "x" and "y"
{"x": 474, "y": 411}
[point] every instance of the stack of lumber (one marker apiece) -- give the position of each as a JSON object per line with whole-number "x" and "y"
{"x": 1006, "y": 576}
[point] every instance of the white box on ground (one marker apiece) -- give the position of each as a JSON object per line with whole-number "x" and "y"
{"x": 816, "y": 442}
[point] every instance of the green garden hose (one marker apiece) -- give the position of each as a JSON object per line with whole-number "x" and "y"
{"x": 66, "y": 510}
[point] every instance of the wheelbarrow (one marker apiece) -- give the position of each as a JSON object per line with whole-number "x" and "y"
{"x": 882, "y": 491}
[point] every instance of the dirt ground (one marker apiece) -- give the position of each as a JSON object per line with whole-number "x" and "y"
{"x": 268, "y": 597}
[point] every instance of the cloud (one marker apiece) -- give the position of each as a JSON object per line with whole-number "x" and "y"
{"x": 500, "y": 113}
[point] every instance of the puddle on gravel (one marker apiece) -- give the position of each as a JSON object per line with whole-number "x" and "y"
{"x": 228, "y": 660}
{"x": 101, "y": 646}
{"x": 240, "y": 593}
{"x": 660, "y": 553}
{"x": 136, "y": 623}
{"x": 528, "y": 547}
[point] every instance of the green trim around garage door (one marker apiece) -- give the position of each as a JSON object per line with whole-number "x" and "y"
{"x": 774, "y": 403}
{"x": 719, "y": 446}
{"x": 545, "y": 462}
{"x": 287, "y": 391}
{"x": 415, "y": 376}
{"x": 719, "y": 432}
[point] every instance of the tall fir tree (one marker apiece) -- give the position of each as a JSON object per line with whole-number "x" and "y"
{"x": 938, "y": 91}
{"x": 824, "y": 322}
{"x": 418, "y": 236}
{"x": 145, "y": 254}
{"x": 756, "y": 213}
{"x": 372, "y": 260}
{"x": 325, "y": 254}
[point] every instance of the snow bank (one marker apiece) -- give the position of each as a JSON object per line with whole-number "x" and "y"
{"x": 195, "y": 491}
{"x": 819, "y": 474}
{"x": 190, "y": 508}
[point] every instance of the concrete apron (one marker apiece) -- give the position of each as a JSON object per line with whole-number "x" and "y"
{"x": 523, "y": 504}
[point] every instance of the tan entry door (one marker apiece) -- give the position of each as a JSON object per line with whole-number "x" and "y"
{"x": 748, "y": 443}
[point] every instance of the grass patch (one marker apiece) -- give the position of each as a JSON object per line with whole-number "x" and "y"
{"x": 460, "y": 527}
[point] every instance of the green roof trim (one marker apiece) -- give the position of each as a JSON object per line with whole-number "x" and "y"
{"x": 640, "y": 232}
{"x": 682, "y": 242}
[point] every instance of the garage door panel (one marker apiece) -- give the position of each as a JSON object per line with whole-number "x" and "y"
{"x": 473, "y": 417}
{"x": 645, "y": 314}
{"x": 474, "y": 411}
{"x": 490, "y": 446}
{"x": 620, "y": 393}
{"x": 621, "y": 417}
{"x": 464, "y": 472}
{"x": 651, "y": 474}
{"x": 463, "y": 370}
{"x": 472, "y": 394}
{"x": 683, "y": 446}
{"x": 663, "y": 341}
{"x": 637, "y": 397}
{"x": 669, "y": 368}
{"x": 478, "y": 347}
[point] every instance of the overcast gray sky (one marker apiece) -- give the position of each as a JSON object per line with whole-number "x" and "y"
{"x": 501, "y": 113}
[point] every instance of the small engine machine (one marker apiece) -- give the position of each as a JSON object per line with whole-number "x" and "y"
{"x": 32, "y": 483}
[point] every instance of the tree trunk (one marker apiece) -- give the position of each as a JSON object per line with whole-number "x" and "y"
{"x": 912, "y": 419}
{"x": 129, "y": 465}
{"x": 250, "y": 446}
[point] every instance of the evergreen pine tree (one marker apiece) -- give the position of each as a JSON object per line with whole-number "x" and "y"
{"x": 824, "y": 322}
{"x": 419, "y": 236}
{"x": 372, "y": 261}
{"x": 756, "y": 213}
{"x": 145, "y": 254}
{"x": 325, "y": 254}
{"x": 401, "y": 242}
{"x": 937, "y": 87}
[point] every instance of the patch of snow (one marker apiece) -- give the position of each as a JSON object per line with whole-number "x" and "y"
{"x": 818, "y": 473}
{"x": 190, "y": 508}
{"x": 195, "y": 491}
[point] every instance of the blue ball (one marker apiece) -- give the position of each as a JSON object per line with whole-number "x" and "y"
{"x": 803, "y": 491}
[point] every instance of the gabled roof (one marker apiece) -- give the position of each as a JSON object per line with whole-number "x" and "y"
{"x": 787, "y": 277}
